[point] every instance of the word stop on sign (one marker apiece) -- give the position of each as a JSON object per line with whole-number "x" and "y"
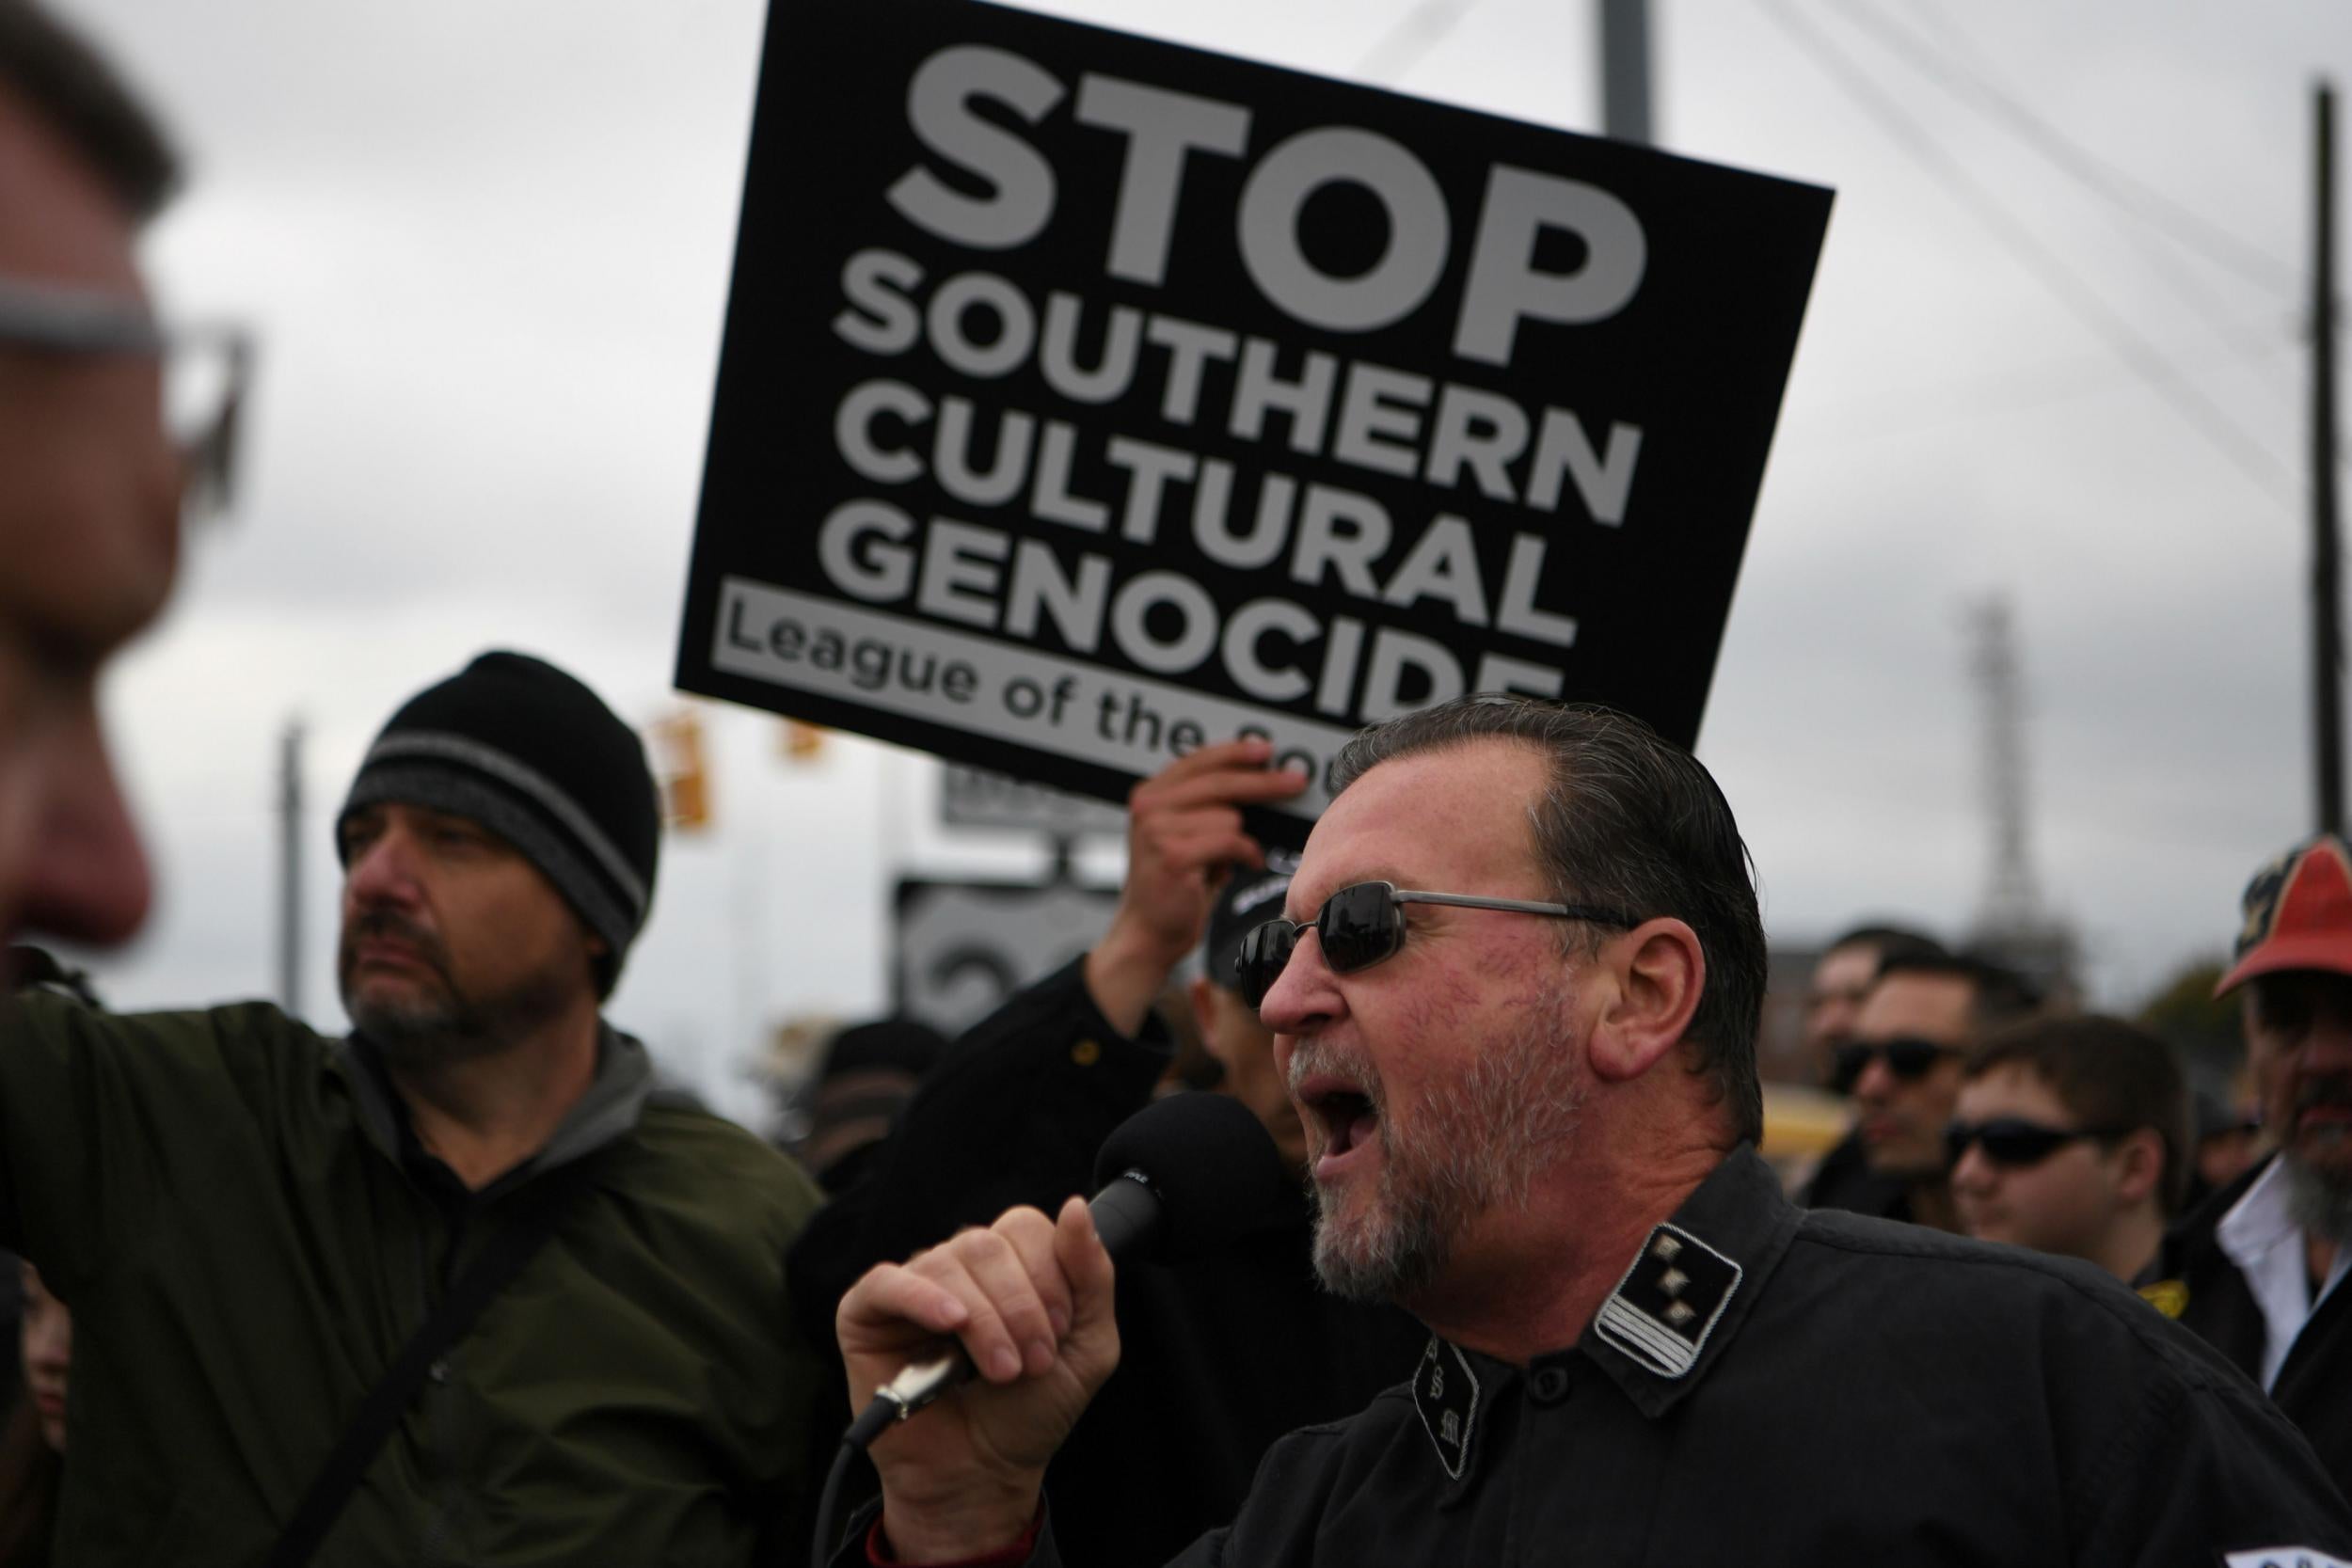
{"x": 1164, "y": 130}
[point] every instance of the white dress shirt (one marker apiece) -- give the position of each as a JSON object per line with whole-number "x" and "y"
{"x": 2261, "y": 1237}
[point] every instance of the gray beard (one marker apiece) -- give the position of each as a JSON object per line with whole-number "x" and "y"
{"x": 2318, "y": 1199}
{"x": 1477, "y": 1145}
{"x": 430, "y": 1032}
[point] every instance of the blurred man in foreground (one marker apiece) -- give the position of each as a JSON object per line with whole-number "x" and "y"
{"x": 1517, "y": 1011}
{"x": 1902, "y": 1068}
{"x": 459, "y": 1287}
{"x": 2070, "y": 1137}
{"x": 89, "y": 484}
{"x": 2258, "y": 1269}
{"x": 1231, "y": 1350}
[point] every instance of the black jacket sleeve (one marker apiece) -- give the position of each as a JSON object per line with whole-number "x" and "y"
{"x": 1013, "y": 1115}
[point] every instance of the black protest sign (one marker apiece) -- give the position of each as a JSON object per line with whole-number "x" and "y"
{"x": 1085, "y": 398}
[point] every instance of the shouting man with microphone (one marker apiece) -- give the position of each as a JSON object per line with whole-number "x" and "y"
{"x": 1516, "y": 999}
{"x": 1225, "y": 1354}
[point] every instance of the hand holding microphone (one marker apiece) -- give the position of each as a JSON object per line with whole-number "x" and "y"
{"x": 1026, "y": 1304}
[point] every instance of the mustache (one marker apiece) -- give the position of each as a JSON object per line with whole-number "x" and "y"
{"x": 392, "y": 925}
{"x": 1310, "y": 1057}
{"x": 2332, "y": 1089}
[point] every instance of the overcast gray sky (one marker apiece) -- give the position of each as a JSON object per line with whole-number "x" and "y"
{"x": 487, "y": 246}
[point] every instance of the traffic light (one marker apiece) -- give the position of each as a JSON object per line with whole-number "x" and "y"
{"x": 685, "y": 777}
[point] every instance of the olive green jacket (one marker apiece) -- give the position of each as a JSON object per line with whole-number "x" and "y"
{"x": 247, "y": 1235}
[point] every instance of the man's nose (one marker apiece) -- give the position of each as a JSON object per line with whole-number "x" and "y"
{"x": 383, "y": 870}
{"x": 1972, "y": 1172}
{"x": 49, "y": 1342}
{"x": 2328, "y": 1041}
{"x": 1876, "y": 1081}
{"x": 1302, "y": 995}
{"x": 85, "y": 876}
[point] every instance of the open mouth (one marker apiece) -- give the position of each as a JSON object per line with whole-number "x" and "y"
{"x": 2323, "y": 1107}
{"x": 1346, "y": 1115}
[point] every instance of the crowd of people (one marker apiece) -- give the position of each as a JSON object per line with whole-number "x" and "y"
{"x": 472, "y": 1284}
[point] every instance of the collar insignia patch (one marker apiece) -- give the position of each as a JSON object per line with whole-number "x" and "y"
{"x": 1669, "y": 1301}
{"x": 2167, "y": 1296}
{"x": 1445, "y": 1391}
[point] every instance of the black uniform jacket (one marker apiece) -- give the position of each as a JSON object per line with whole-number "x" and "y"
{"x": 2212, "y": 1298}
{"x": 1219, "y": 1358}
{"x": 1772, "y": 1387}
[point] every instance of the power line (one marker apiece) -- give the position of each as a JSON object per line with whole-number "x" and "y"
{"x": 2127, "y": 191}
{"x": 2092, "y": 175}
{"x": 2083, "y": 301}
{"x": 1912, "y": 411}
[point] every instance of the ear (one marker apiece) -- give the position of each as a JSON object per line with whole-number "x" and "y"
{"x": 1654, "y": 974}
{"x": 1202, "y": 996}
{"x": 598, "y": 946}
{"x": 2139, "y": 1165}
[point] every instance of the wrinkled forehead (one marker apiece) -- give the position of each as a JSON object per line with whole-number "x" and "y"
{"x": 2013, "y": 1090}
{"x": 1844, "y": 970}
{"x": 1456, "y": 820}
{"x": 1921, "y": 1003}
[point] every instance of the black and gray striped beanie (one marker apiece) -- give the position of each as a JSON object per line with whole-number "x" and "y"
{"x": 519, "y": 746}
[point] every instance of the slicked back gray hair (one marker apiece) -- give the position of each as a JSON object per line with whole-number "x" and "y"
{"x": 1629, "y": 820}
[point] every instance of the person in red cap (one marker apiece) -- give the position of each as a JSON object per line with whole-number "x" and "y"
{"x": 2258, "y": 1269}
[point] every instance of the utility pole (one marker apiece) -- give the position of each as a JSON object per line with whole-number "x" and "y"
{"x": 2012, "y": 904}
{"x": 1625, "y": 69}
{"x": 2326, "y": 592}
{"x": 290, "y": 868}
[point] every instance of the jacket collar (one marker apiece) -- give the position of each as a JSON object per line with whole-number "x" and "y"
{"x": 1685, "y": 1294}
{"x": 1673, "y": 1317}
{"x": 615, "y": 1099}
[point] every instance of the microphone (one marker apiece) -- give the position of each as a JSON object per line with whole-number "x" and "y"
{"x": 1184, "y": 1177}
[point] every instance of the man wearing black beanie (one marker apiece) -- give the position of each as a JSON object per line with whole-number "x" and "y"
{"x": 462, "y": 1286}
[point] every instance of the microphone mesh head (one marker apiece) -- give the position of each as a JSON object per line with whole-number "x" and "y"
{"x": 1212, "y": 1163}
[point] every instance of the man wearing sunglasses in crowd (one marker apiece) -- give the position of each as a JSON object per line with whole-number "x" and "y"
{"x": 1516, "y": 994}
{"x": 90, "y": 483}
{"x": 1833, "y": 994}
{"x": 2258, "y": 1268}
{"x": 2071, "y": 1135}
{"x": 1902, "y": 1068}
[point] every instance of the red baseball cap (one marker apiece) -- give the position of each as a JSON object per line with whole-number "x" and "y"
{"x": 2298, "y": 914}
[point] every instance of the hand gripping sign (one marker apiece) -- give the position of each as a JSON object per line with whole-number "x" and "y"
{"x": 1086, "y": 398}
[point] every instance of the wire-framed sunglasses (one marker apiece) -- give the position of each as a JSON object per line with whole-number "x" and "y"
{"x": 1359, "y": 925}
{"x": 1908, "y": 1059}
{"x": 2014, "y": 1143}
{"x": 206, "y": 368}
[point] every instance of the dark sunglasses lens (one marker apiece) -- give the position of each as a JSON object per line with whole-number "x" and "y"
{"x": 1909, "y": 1060}
{"x": 2010, "y": 1144}
{"x": 1359, "y": 926}
{"x": 1263, "y": 952}
{"x": 2019, "y": 1143}
{"x": 1845, "y": 1065}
